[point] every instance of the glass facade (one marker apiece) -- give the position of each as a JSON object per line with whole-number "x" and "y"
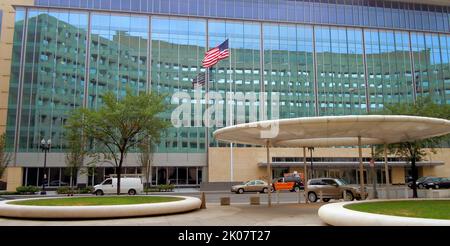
{"x": 368, "y": 13}
{"x": 118, "y": 55}
{"x": 65, "y": 58}
{"x": 177, "y": 50}
{"x": 340, "y": 71}
{"x": 52, "y": 77}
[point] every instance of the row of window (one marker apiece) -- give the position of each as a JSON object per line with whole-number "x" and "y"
{"x": 371, "y": 13}
{"x": 330, "y": 81}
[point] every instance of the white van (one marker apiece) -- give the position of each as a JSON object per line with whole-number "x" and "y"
{"x": 132, "y": 186}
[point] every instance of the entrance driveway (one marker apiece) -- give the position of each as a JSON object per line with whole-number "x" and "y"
{"x": 214, "y": 215}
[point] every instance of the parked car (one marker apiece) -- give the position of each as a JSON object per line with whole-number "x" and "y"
{"x": 132, "y": 186}
{"x": 58, "y": 183}
{"x": 252, "y": 185}
{"x": 290, "y": 183}
{"x": 437, "y": 183}
{"x": 421, "y": 181}
{"x": 332, "y": 189}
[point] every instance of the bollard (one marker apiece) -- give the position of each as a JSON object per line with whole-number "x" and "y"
{"x": 203, "y": 206}
{"x": 320, "y": 195}
{"x": 430, "y": 193}
{"x": 224, "y": 201}
{"x": 254, "y": 200}
{"x": 344, "y": 195}
{"x": 278, "y": 197}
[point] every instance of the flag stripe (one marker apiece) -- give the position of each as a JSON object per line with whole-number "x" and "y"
{"x": 214, "y": 55}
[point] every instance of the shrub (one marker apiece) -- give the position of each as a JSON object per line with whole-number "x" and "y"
{"x": 166, "y": 187}
{"x": 67, "y": 190}
{"x": 5, "y": 193}
{"x": 160, "y": 188}
{"x": 27, "y": 189}
{"x": 63, "y": 190}
{"x": 86, "y": 190}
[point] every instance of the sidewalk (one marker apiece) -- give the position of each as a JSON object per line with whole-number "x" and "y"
{"x": 214, "y": 215}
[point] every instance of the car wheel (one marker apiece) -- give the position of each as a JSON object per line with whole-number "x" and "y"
{"x": 240, "y": 191}
{"x": 296, "y": 189}
{"x": 99, "y": 193}
{"x": 132, "y": 192}
{"x": 326, "y": 199}
{"x": 265, "y": 190}
{"x": 420, "y": 186}
{"x": 349, "y": 196}
{"x": 312, "y": 197}
{"x": 436, "y": 186}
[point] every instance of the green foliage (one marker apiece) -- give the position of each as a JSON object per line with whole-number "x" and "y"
{"x": 120, "y": 125}
{"x": 68, "y": 190}
{"x": 27, "y": 189}
{"x": 9, "y": 193}
{"x": 5, "y": 157}
{"x": 433, "y": 209}
{"x": 161, "y": 188}
{"x": 414, "y": 151}
{"x": 97, "y": 201}
{"x": 76, "y": 150}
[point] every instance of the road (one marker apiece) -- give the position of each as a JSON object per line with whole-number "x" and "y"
{"x": 212, "y": 196}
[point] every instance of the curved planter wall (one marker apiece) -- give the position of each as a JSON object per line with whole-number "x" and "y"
{"x": 335, "y": 214}
{"x": 93, "y": 212}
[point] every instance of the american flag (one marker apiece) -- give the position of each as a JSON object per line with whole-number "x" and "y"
{"x": 214, "y": 55}
{"x": 199, "y": 80}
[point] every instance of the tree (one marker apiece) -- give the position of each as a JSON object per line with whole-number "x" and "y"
{"x": 146, "y": 160}
{"x": 5, "y": 157}
{"x": 415, "y": 151}
{"x": 121, "y": 125}
{"x": 76, "y": 150}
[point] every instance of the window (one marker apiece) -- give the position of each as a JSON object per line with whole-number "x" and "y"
{"x": 107, "y": 182}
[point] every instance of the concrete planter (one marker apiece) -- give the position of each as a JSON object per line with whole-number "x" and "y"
{"x": 335, "y": 214}
{"x": 94, "y": 212}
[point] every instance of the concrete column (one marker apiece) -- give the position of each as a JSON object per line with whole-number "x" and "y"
{"x": 305, "y": 181}
{"x": 13, "y": 178}
{"x": 386, "y": 171}
{"x": 269, "y": 173}
{"x": 361, "y": 168}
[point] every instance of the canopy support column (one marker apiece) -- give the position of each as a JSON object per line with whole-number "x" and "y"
{"x": 305, "y": 175}
{"x": 269, "y": 174}
{"x": 386, "y": 171}
{"x": 361, "y": 169}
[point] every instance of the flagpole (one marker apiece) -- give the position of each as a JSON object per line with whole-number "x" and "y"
{"x": 231, "y": 115}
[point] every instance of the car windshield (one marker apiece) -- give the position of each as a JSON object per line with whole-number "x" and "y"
{"x": 341, "y": 182}
{"x": 422, "y": 179}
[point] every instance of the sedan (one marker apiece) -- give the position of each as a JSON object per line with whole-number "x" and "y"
{"x": 438, "y": 183}
{"x": 252, "y": 185}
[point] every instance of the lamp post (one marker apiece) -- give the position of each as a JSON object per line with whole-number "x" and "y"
{"x": 311, "y": 149}
{"x": 45, "y": 146}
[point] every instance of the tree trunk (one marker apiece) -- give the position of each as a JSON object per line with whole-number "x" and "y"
{"x": 71, "y": 183}
{"x": 119, "y": 172}
{"x": 414, "y": 176}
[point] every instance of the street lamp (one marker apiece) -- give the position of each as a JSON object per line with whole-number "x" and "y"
{"x": 45, "y": 146}
{"x": 311, "y": 149}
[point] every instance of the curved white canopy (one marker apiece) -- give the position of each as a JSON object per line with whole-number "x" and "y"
{"x": 328, "y": 131}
